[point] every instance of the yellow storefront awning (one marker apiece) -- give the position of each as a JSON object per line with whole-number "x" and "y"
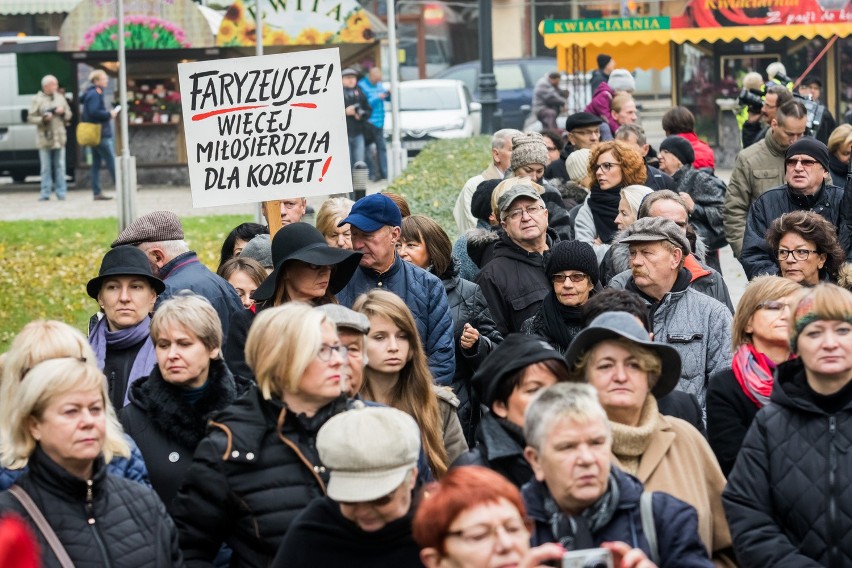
{"x": 649, "y": 49}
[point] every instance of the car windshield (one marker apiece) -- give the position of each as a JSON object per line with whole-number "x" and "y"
{"x": 429, "y": 98}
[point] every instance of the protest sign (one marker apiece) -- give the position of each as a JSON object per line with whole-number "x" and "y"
{"x": 264, "y": 128}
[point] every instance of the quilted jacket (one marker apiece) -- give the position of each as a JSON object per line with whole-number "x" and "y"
{"x": 110, "y": 524}
{"x": 132, "y": 468}
{"x": 425, "y": 296}
{"x": 756, "y": 257}
{"x": 467, "y": 305}
{"x": 256, "y": 470}
{"x": 601, "y": 105}
{"x": 789, "y": 496}
{"x": 676, "y": 523}
{"x": 699, "y": 327}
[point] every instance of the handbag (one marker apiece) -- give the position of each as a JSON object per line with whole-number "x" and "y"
{"x": 88, "y": 133}
{"x": 35, "y": 514}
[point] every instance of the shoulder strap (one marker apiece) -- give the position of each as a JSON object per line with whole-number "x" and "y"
{"x": 35, "y": 514}
{"x": 646, "y": 511}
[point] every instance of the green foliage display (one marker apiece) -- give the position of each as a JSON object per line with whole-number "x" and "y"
{"x": 44, "y": 265}
{"x": 432, "y": 182}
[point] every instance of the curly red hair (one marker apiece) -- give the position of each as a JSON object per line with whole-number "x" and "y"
{"x": 633, "y": 169}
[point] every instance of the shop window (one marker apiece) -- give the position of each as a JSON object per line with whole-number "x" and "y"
{"x": 154, "y": 101}
{"x": 698, "y": 90}
{"x": 845, "y": 79}
{"x": 510, "y": 77}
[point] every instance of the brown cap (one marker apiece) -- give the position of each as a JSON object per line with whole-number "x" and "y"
{"x": 151, "y": 228}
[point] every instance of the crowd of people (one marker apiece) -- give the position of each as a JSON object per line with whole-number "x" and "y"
{"x": 569, "y": 375}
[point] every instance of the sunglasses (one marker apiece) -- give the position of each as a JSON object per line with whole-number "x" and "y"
{"x": 791, "y": 163}
{"x": 380, "y": 502}
{"x": 576, "y": 277}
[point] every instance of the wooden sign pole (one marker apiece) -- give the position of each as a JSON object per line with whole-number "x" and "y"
{"x": 272, "y": 212}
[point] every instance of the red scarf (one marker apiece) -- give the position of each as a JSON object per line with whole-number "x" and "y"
{"x": 753, "y": 371}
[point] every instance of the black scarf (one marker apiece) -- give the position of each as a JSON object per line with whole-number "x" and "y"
{"x": 575, "y": 532}
{"x": 837, "y": 167}
{"x": 604, "y": 206}
{"x": 561, "y": 323}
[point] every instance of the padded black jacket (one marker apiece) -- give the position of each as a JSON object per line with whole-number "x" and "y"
{"x": 789, "y": 496}
{"x": 118, "y": 523}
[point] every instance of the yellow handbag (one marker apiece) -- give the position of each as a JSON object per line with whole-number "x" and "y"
{"x": 88, "y": 133}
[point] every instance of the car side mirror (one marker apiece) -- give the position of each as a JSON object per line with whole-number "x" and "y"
{"x": 475, "y": 107}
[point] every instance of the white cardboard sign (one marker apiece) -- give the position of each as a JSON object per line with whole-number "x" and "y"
{"x": 265, "y": 128}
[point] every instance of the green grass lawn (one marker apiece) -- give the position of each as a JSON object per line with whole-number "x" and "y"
{"x": 44, "y": 265}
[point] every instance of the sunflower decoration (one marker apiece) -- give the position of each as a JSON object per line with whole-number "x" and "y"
{"x": 235, "y": 12}
{"x": 227, "y": 33}
{"x": 247, "y": 35}
{"x": 357, "y": 29}
{"x": 312, "y": 36}
{"x": 276, "y": 37}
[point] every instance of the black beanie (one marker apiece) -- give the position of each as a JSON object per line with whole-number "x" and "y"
{"x": 810, "y": 147}
{"x": 480, "y": 203}
{"x": 573, "y": 255}
{"x": 516, "y": 352}
{"x": 680, "y": 147}
{"x": 603, "y": 60}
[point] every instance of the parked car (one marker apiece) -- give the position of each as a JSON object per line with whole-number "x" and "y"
{"x": 516, "y": 79}
{"x": 431, "y": 109}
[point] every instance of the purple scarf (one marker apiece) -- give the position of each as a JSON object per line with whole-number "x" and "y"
{"x": 102, "y": 339}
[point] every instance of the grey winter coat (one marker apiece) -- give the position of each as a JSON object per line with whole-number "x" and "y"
{"x": 545, "y": 95}
{"x": 708, "y": 193}
{"x": 699, "y": 327}
{"x": 710, "y": 284}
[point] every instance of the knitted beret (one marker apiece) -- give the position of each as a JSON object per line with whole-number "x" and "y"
{"x": 573, "y": 255}
{"x": 577, "y": 164}
{"x": 621, "y": 80}
{"x": 528, "y": 149}
{"x": 680, "y": 147}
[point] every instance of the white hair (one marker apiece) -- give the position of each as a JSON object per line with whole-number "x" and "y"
{"x": 48, "y": 78}
{"x": 634, "y": 194}
{"x": 500, "y": 137}
{"x": 578, "y": 401}
{"x": 774, "y": 68}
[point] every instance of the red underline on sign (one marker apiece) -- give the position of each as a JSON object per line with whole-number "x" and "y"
{"x": 204, "y": 115}
{"x": 304, "y": 105}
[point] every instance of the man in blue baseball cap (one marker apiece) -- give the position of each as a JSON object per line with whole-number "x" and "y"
{"x": 375, "y": 221}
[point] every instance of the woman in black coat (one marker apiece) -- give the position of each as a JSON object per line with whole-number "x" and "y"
{"x": 761, "y": 342}
{"x": 64, "y": 430}
{"x": 573, "y": 271}
{"x": 169, "y": 409}
{"x": 517, "y": 369}
{"x": 787, "y": 499}
{"x": 258, "y": 466}
{"x": 425, "y": 244}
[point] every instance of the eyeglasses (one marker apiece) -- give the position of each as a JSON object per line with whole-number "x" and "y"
{"x": 376, "y": 503}
{"x": 798, "y": 254}
{"x": 326, "y": 350}
{"x": 594, "y": 132}
{"x": 772, "y": 306}
{"x": 482, "y": 534}
{"x": 576, "y": 277}
{"x": 808, "y": 164}
{"x": 606, "y": 166}
{"x": 532, "y": 211}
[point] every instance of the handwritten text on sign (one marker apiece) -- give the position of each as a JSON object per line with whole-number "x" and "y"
{"x": 264, "y": 128}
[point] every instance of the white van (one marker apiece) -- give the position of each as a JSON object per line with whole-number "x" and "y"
{"x": 18, "y": 151}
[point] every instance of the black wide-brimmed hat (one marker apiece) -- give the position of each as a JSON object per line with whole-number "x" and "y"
{"x": 615, "y": 325}
{"x": 300, "y": 241}
{"x": 124, "y": 260}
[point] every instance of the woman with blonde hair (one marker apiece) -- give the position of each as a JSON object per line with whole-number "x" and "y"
{"x": 397, "y": 375}
{"x": 38, "y": 341}
{"x": 761, "y": 342}
{"x": 332, "y": 211}
{"x": 787, "y": 496}
{"x": 839, "y": 150}
{"x": 64, "y": 429}
{"x": 258, "y": 466}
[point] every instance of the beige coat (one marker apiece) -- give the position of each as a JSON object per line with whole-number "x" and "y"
{"x": 465, "y": 220}
{"x": 758, "y": 168}
{"x": 51, "y": 135}
{"x": 679, "y": 461}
